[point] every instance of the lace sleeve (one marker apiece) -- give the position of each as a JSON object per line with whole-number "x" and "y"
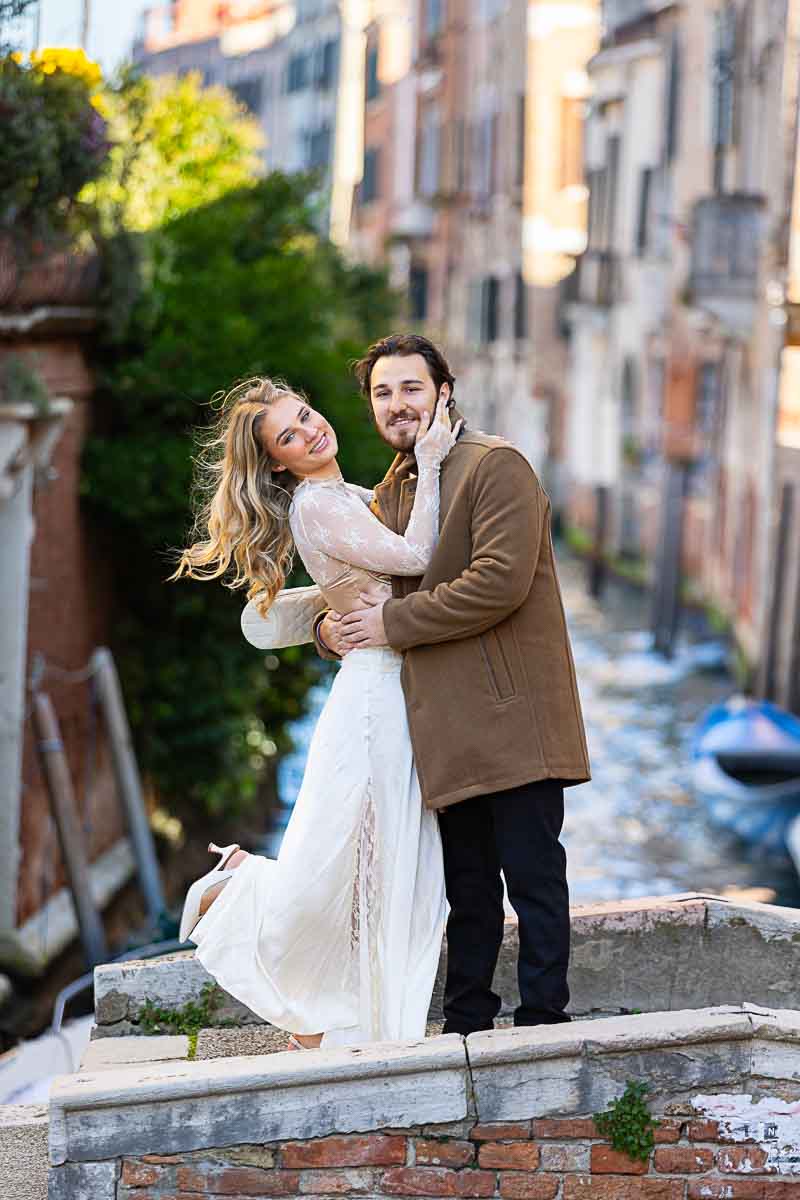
{"x": 365, "y": 494}
{"x": 331, "y": 522}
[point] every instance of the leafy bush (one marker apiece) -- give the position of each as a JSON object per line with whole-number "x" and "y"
{"x": 242, "y": 286}
{"x": 54, "y": 138}
{"x": 176, "y": 146}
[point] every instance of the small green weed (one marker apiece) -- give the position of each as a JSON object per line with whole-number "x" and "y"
{"x": 190, "y": 1019}
{"x": 628, "y": 1122}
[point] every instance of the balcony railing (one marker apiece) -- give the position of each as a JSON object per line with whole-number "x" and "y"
{"x": 727, "y": 237}
{"x": 598, "y": 279}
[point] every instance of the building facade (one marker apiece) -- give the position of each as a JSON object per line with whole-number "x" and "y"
{"x": 675, "y": 357}
{"x": 473, "y": 193}
{"x": 298, "y": 67}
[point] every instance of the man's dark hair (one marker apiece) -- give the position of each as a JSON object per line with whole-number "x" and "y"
{"x": 404, "y": 344}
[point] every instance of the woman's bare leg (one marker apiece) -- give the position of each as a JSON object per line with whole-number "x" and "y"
{"x": 309, "y": 1041}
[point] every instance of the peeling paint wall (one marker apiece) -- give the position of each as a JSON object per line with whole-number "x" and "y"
{"x": 773, "y": 1124}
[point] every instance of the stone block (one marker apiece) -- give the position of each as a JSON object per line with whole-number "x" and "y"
{"x": 168, "y": 1108}
{"x": 575, "y": 1069}
{"x": 83, "y": 1181}
{"x": 121, "y": 989}
{"x": 23, "y": 1151}
{"x": 686, "y": 951}
{"x": 110, "y": 1053}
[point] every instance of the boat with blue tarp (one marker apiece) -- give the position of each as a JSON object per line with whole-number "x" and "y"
{"x": 746, "y": 768}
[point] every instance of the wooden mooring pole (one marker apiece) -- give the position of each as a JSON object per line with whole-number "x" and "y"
{"x": 598, "y": 568}
{"x": 129, "y": 785}
{"x": 70, "y": 835}
{"x": 667, "y": 591}
{"x": 768, "y": 681}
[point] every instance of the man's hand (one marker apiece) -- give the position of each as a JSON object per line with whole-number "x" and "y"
{"x": 329, "y": 632}
{"x": 364, "y": 627}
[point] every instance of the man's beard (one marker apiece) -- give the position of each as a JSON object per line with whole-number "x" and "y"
{"x": 401, "y": 438}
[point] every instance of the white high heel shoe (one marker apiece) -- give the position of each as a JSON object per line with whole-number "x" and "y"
{"x": 218, "y": 874}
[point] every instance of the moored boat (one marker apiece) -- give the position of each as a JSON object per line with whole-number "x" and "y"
{"x": 747, "y": 770}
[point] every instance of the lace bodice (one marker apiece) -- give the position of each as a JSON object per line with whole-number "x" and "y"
{"x": 346, "y": 549}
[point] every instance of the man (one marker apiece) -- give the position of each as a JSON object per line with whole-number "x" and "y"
{"x": 489, "y": 681}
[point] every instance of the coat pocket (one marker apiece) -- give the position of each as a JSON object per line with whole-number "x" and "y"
{"x": 497, "y": 665}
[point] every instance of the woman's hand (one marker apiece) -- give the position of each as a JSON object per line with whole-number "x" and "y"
{"x": 435, "y": 439}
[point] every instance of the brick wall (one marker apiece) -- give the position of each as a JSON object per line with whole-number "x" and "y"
{"x": 70, "y": 610}
{"x": 528, "y": 1160}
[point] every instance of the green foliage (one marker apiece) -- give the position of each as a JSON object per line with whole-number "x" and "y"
{"x": 578, "y": 539}
{"x": 54, "y": 139}
{"x": 19, "y": 384}
{"x": 628, "y": 1122}
{"x": 190, "y": 1019}
{"x": 239, "y": 287}
{"x": 176, "y": 145}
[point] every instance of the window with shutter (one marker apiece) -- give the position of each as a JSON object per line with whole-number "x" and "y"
{"x": 519, "y": 165}
{"x": 325, "y": 75}
{"x": 482, "y": 159}
{"x": 373, "y": 86}
{"x": 297, "y": 73}
{"x": 249, "y": 93}
{"x": 492, "y": 309}
{"x": 434, "y": 17}
{"x": 520, "y": 307}
{"x": 370, "y": 183}
{"x": 318, "y": 151}
{"x": 418, "y": 293}
{"x": 723, "y": 78}
{"x": 643, "y": 217}
{"x": 613, "y": 146}
{"x": 429, "y": 153}
{"x": 673, "y": 100}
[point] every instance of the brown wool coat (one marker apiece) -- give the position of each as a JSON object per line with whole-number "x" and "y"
{"x": 488, "y": 673}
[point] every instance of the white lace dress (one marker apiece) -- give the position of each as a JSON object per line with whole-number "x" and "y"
{"x": 341, "y": 933}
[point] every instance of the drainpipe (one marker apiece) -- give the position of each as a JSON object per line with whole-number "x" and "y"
{"x": 348, "y": 147}
{"x": 27, "y": 439}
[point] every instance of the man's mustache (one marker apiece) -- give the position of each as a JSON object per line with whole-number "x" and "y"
{"x": 406, "y": 416}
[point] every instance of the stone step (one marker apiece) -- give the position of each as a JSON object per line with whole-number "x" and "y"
{"x": 23, "y": 1151}
{"x": 651, "y": 954}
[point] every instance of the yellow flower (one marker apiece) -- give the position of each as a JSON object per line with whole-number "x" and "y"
{"x": 100, "y": 104}
{"x": 71, "y": 62}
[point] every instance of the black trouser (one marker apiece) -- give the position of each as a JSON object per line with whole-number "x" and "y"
{"x": 515, "y": 831}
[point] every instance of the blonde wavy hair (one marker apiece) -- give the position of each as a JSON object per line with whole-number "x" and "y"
{"x": 242, "y": 519}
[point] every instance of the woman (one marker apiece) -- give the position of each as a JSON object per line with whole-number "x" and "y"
{"x": 338, "y": 938}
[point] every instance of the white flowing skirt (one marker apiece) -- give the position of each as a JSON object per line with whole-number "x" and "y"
{"x": 341, "y": 933}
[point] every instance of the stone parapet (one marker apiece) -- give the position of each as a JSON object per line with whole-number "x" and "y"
{"x": 23, "y": 1151}
{"x": 647, "y": 955}
{"x": 501, "y": 1114}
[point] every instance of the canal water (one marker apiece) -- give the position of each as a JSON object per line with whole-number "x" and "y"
{"x": 636, "y": 829}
